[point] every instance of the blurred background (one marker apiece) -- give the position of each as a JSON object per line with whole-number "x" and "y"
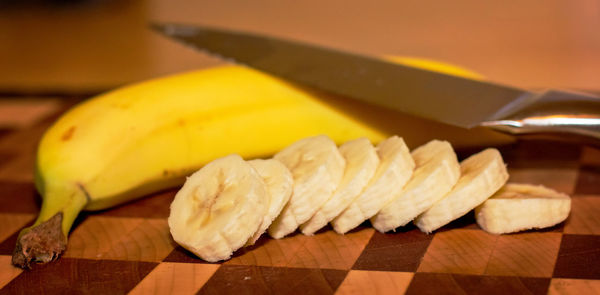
{"x": 70, "y": 46}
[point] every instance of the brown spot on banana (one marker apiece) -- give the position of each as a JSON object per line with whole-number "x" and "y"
{"x": 67, "y": 135}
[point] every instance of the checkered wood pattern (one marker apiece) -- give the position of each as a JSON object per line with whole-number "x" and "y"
{"x": 128, "y": 249}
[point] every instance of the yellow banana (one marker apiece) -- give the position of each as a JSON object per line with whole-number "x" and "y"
{"x": 133, "y": 141}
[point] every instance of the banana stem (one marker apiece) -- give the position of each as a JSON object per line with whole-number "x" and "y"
{"x": 46, "y": 239}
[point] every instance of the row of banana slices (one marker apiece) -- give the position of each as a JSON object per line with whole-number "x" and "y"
{"x": 230, "y": 202}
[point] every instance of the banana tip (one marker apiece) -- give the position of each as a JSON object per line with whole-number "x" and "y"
{"x": 40, "y": 244}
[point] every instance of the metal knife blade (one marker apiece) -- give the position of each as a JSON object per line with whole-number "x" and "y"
{"x": 440, "y": 97}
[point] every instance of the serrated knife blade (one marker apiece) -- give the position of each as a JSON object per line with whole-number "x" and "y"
{"x": 449, "y": 99}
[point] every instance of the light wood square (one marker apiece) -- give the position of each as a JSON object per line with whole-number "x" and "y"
{"x": 375, "y": 282}
{"x": 573, "y": 286}
{"x": 7, "y": 270}
{"x": 117, "y": 238}
{"x": 175, "y": 278}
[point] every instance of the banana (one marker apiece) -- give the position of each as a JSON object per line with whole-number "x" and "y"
{"x": 146, "y": 137}
{"x": 517, "y": 207}
{"x": 219, "y": 208}
{"x": 395, "y": 169}
{"x": 317, "y": 168}
{"x": 361, "y": 163}
{"x": 482, "y": 175}
{"x": 141, "y": 138}
{"x": 279, "y": 183}
{"x": 437, "y": 171}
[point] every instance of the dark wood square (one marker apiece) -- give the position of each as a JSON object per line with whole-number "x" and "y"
{"x": 438, "y": 283}
{"x": 466, "y": 221}
{"x": 181, "y": 255}
{"x": 5, "y": 156}
{"x": 4, "y": 130}
{"x": 152, "y": 206}
{"x": 394, "y": 251}
{"x": 80, "y": 276}
{"x": 8, "y": 245}
{"x": 18, "y": 197}
{"x": 578, "y": 257}
{"x": 541, "y": 154}
{"x": 588, "y": 181}
{"x": 590, "y": 156}
{"x": 241, "y": 279}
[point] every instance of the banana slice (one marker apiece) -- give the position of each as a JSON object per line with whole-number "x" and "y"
{"x": 317, "y": 167}
{"x": 361, "y": 163}
{"x": 482, "y": 175}
{"x": 437, "y": 171}
{"x": 218, "y": 208}
{"x": 395, "y": 169}
{"x": 517, "y": 207}
{"x": 279, "y": 181}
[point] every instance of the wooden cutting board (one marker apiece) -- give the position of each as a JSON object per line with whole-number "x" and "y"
{"x": 128, "y": 249}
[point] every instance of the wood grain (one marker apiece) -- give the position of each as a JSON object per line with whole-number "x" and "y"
{"x": 21, "y": 145}
{"x": 394, "y": 251}
{"x": 584, "y": 218}
{"x": 530, "y": 254}
{"x": 135, "y": 239}
{"x": 18, "y": 197}
{"x": 446, "y": 283}
{"x": 375, "y": 282}
{"x": 243, "y": 279}
{"x": 80, "y": 276}
{"x": 560, "y": 179}
{"x": 13, "y": 222}
{"x": 459, "y": 251}
{"x": 588, "y": 180}
{"x": 23, "y": 142}
{"x": 155, "y": 206}
{"x": 325, "y": 249}
{"x": 7, "y": 270}
{"x": 26, "y": 112}
{"x": 590, "y": 156}
{"x": 129, "y": 247}
{"x": 578, "y": 257}
{"x": 175, "y": 278}
{"x": 19, "y": 168}
{"x": 571, "y": 286}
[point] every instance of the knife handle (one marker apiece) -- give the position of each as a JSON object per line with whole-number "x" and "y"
{"x": 555, "y": 114}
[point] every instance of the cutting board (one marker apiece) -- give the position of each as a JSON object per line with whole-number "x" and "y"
{"x": 128, "y": 249}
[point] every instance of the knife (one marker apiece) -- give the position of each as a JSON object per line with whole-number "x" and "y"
{"x": 445, "y": 98}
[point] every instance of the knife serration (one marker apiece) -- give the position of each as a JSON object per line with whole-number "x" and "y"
{"x": 440, "y": 97}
